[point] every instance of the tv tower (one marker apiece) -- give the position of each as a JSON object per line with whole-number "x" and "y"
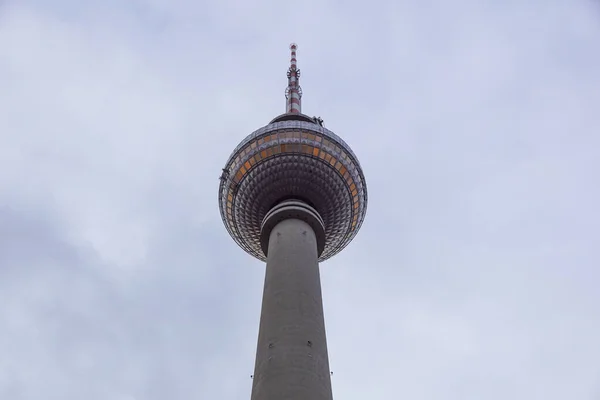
{"x": 292, "y": 194}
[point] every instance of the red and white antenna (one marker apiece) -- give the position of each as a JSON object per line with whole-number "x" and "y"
{"x": 293, "y": 92}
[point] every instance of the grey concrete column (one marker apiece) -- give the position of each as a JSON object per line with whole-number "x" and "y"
{"x": 291, "y": 358}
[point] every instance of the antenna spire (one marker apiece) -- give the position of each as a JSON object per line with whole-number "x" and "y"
{"x": 293, "y": 92}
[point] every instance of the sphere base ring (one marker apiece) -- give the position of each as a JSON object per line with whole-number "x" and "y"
{"x": 292, "y": 209}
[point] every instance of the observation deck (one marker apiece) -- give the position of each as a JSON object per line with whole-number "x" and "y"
{"x": 293, "y": 157}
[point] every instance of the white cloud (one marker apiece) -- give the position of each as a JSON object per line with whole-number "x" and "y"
{"x": 475, "y": 122}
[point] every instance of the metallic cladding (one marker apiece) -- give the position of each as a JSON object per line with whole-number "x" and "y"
{"x": 292, "y": 159}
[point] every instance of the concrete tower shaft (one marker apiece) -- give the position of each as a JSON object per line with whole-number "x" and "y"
{"x": 291, "y": 357}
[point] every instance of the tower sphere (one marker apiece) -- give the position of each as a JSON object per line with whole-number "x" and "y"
{"x": 293, "y": 157}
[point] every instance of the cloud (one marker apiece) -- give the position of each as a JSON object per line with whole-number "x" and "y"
{"x": 475, "y": 123}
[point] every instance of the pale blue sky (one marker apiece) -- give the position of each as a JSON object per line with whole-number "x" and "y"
{"x": 477, "y": 124}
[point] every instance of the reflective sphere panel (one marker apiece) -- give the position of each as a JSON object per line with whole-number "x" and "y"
{"x": 293, "y": 159}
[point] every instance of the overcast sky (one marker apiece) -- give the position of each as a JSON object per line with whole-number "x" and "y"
{"x": 477, "y": 123}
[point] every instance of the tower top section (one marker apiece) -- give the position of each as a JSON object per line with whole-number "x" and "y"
{"x": 294, "y": 159}
{"x": 293, "y": 92}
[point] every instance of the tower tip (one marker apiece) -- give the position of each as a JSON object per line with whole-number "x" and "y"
{"x": 293, "y": 92}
